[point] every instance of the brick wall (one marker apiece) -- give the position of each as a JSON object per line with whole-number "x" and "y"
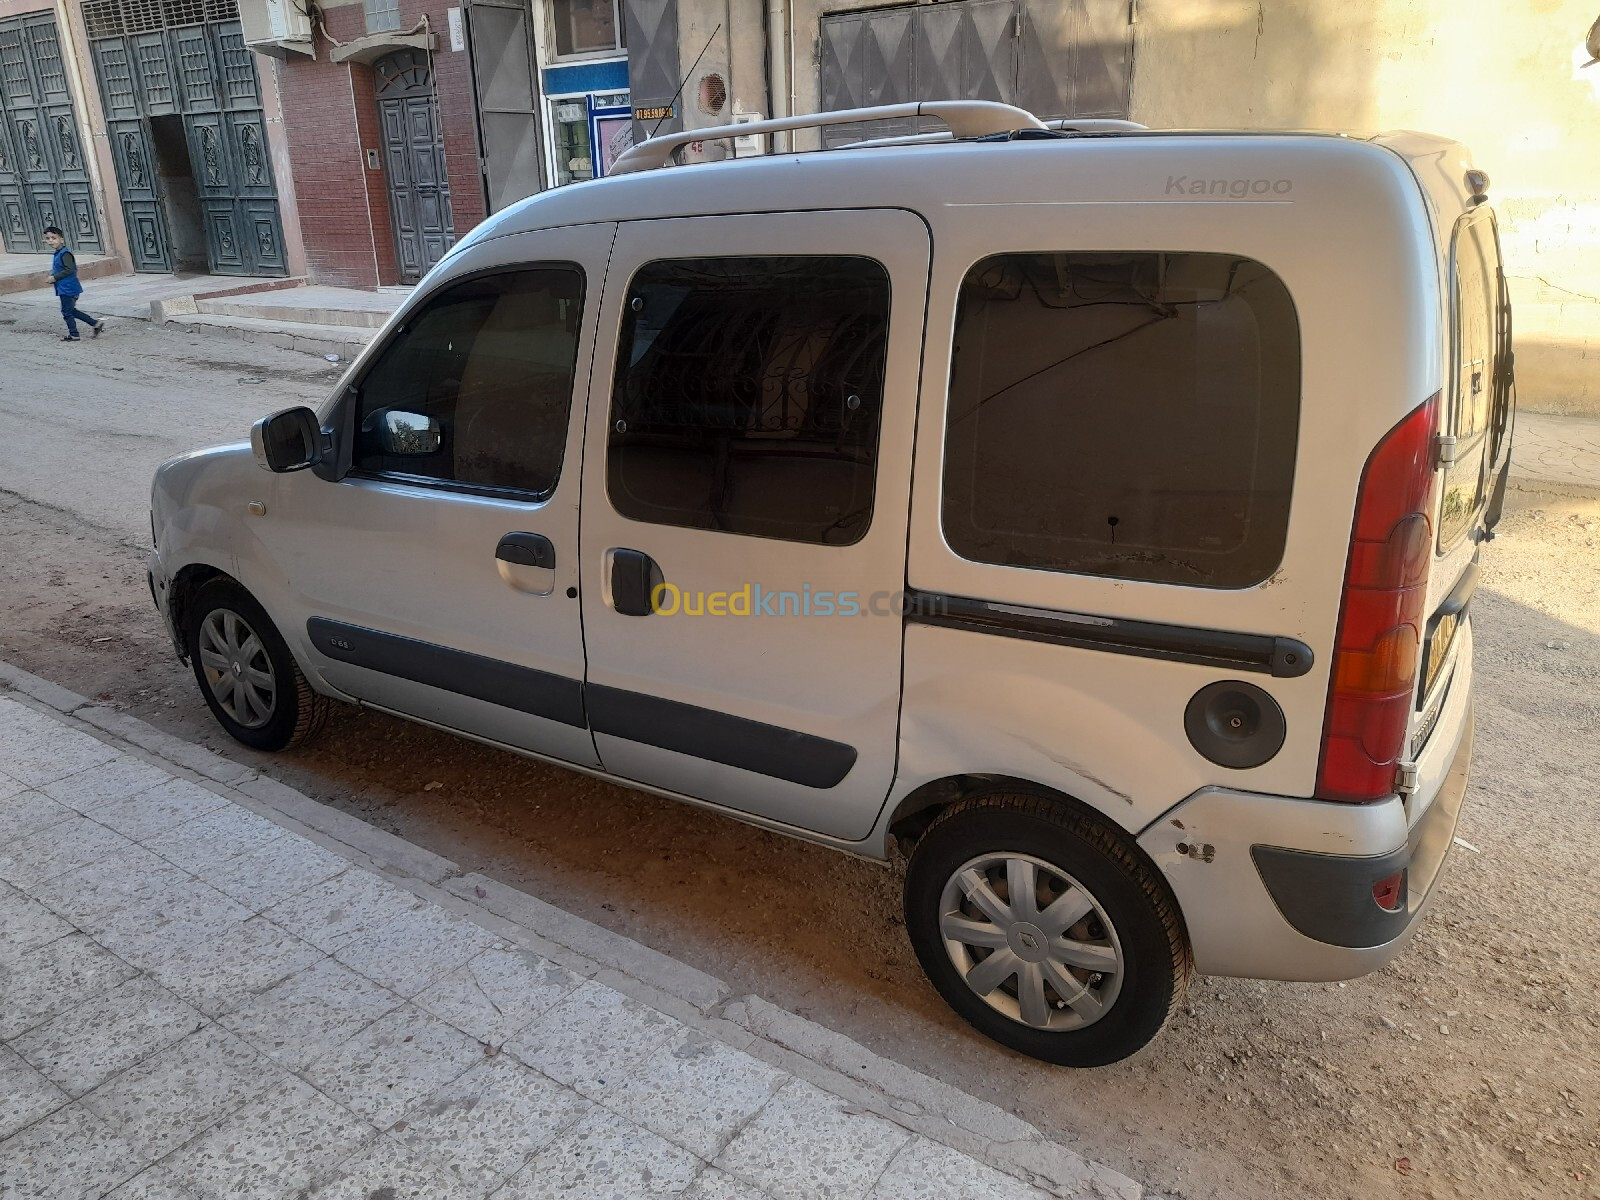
{"x": 331, "y": 121}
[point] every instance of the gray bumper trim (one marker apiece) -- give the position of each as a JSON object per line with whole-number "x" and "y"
{"x": 1329, "y": 897}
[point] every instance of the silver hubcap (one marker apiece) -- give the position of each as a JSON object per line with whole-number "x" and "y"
{"x": 1031, "y": 941}
{"x": 237, "y": 668}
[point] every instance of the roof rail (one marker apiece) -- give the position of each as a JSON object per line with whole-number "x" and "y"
{"x": 1095, "y": 125}
{"x": 1055, "y": 124}
{"x": 966, "y": 118}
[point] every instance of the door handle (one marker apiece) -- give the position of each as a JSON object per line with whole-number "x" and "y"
{"x": 634, "y": 578}
{"x": 527, "y": 561}
{"x": 526, "y": 550}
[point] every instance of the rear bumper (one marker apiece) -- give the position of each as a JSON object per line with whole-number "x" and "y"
{"x": 1278, "y": 888}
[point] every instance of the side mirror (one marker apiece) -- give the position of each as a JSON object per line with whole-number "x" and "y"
{"x": 290, "y": 440}
{"x": 408, "y": 434}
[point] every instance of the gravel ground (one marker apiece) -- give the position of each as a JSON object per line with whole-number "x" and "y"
{"x": 1470, "y": 1068}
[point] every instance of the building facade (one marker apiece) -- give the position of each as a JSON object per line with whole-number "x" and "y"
{"x": 352, "y": 141}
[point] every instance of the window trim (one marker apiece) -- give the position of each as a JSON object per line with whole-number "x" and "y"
{"x": 877, "y": 447}
{"x": 350, "y": 399}
{"x": 1117, "y": 580}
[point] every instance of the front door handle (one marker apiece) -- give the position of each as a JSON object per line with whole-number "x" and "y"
{"x": 634, "y": 578}
{"x": 527, "y": 561}
{"x": 527, "y": 550}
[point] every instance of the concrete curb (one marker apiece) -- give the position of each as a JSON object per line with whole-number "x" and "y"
{"x": 822, "y": 1056}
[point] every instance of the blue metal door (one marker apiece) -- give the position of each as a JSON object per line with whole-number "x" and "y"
{"x": 44, "y": 179}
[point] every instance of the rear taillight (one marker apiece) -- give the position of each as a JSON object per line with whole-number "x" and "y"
{"x": 1374, "y": 671}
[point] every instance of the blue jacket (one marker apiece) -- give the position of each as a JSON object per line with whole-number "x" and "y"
{"x": 64, "y": 270}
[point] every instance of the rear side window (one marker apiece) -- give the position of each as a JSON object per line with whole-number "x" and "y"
{"x": 491, "y": 361}
{"x": 1480, "y": 395}
{"x": 748, "y": 394}
{"x": 1132, "y": 415}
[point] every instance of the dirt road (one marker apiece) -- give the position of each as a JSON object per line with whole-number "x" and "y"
{"x": 1470, "y": 1068}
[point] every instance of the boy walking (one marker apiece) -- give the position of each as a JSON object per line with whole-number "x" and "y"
{"x": 64, "y": 272}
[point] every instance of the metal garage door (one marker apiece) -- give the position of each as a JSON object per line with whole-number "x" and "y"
{"x": 1055, "y": 58}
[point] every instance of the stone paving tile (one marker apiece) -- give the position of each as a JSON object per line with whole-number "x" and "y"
{"x": 162, "y": 920}
{"x": 60, "y": 848}
{"x": 927, "y": 1171}
{"x": 89, "y": 893}
{"x": 25, "y": 925}
{"x": 84, "y": 1046}
{"x": 276, "y": 871}
{"x": 274, "y": 1145}
{"x": 393, "y": 1063}
{"x": 712, "y": 1184}
{"x": 25, "y": 812}
{"x": 37, "y": 749}
{"x": 219, "y": 973}
{"x": 331, "y": 913}
{"x": 153, "y": 1183}
{"x": 8, "y": 786}
{"x": 69, "y": 1155}
{"x": 804, "y": 1146}
{"x": 727, "y": 1087}
{"x": 497, "y": 993}
{"x": 121, "y": 777}
{"x": 25, "y": 1095}
{"x": 200, "y": 846}
{"x": 310, "y": 1013}
{"x": 55, "y": 977}
{"x": 162, "y": 1102}
{"x": 416, "y": 948}
{"x": 482, "y": 1127}
{"x": 593, "y": 1035}
{"x": 603, "y": 1157}
{"x": 386, "y": 1170}
{"x": 158, "y": 809}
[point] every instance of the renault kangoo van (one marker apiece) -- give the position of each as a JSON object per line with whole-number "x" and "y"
{"x": 1092, "y": 513}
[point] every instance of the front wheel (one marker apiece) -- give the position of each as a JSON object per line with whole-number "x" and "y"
{"x": 1045, "y": 930}
{"x": 249, "y": 679}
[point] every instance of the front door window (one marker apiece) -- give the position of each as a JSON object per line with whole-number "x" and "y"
{"x": 490, "y": 361}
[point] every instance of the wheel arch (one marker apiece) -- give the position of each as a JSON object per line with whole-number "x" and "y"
{"x": 922, "y": 805}
{"x": 186, "y": 584}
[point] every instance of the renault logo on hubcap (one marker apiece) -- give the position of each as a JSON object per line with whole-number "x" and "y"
{"x": 1028, "y": 942}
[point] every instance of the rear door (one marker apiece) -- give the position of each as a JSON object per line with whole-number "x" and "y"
{"x": 743, "y": 537}
{"x": 1475, "y": 434}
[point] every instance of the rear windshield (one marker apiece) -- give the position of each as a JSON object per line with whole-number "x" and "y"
{"x": 1131, "y": 415}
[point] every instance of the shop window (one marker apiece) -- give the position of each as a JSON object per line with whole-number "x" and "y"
{"x": 574, "y": 153}
{"x": 589, "y": 26}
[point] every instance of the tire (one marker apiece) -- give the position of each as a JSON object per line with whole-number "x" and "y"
{"x": 249, "y": 679}
{"x": 1122, "y": 955}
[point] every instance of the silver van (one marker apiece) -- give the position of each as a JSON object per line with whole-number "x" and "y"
{"x": 1091, "y": 512}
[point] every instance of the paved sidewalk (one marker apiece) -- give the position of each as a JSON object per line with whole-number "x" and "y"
{"x": 286, "y": 313}
{"x": 202, "y": 995}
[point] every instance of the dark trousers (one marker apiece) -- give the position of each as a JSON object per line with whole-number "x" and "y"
{"x": 71, "y": 315}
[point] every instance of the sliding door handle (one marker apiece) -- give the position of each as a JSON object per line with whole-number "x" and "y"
{"x": 634, "y": 578}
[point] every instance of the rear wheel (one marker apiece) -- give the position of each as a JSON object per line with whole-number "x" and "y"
{"x": 1043, "y": 928}
{"x": 249, "y": 679}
